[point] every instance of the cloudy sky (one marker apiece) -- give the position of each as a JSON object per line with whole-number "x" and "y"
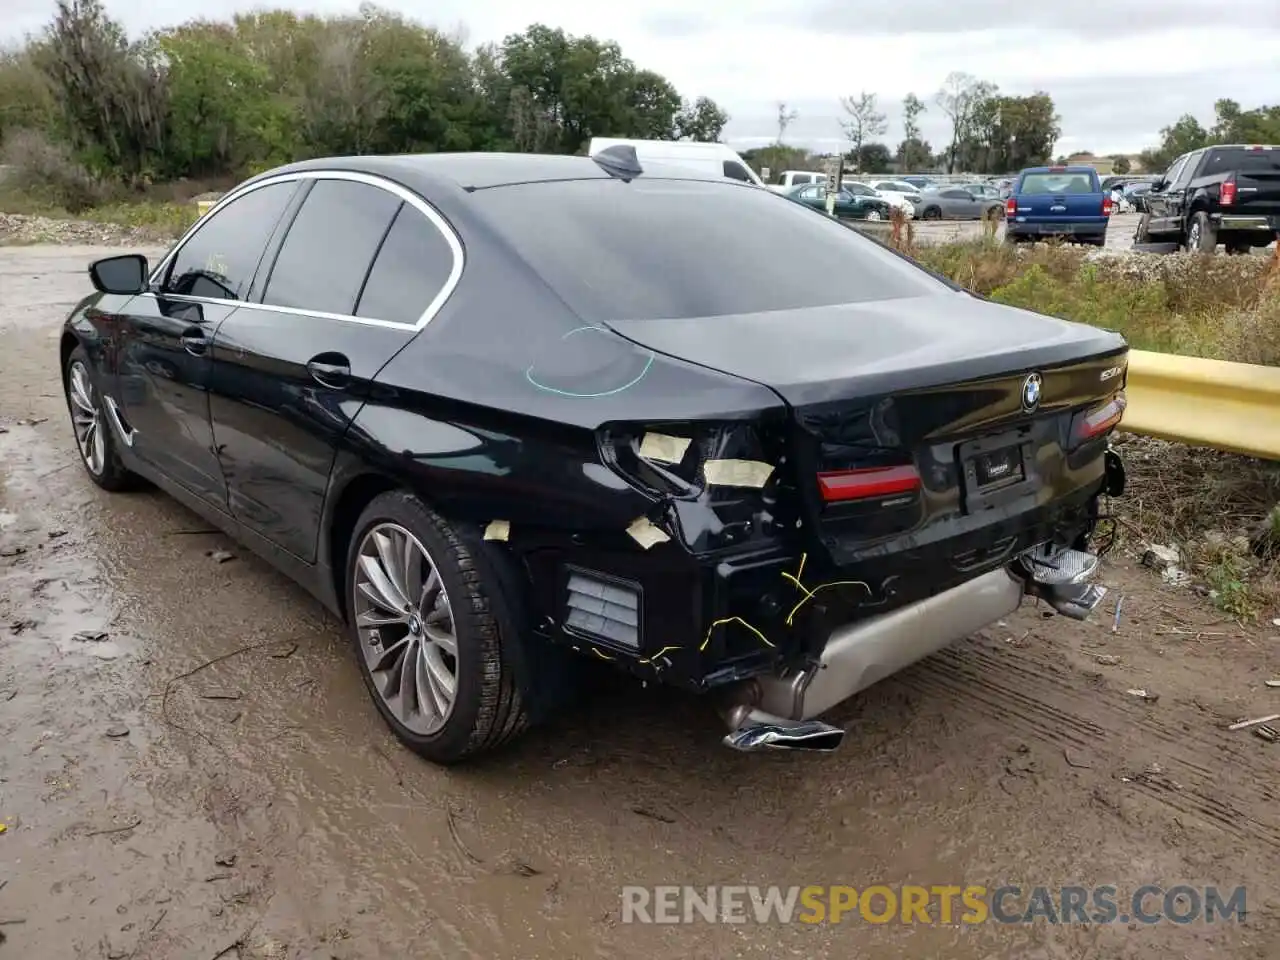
{"x": 1118, "y": 70}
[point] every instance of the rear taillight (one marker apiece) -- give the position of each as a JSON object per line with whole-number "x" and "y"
{"x": 1097, "y": 420}
{"x": 841, "y": 486}
{"x": 1011, "y": 207}
{"x": 1106, "y": 206}
{"x": 1228, "y": 196}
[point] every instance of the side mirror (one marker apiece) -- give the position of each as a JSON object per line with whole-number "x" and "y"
{"x": 125, "y": 274}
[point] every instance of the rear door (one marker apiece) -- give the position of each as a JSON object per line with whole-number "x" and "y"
{"x": 362, "y": 268}
{"x": 164, "y": 361}
{"x": 1158, "y": 201}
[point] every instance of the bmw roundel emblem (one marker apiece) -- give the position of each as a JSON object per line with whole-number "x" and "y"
{"x": 1031, "y": 392}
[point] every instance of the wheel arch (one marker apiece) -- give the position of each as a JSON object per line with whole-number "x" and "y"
{"x": 355, "y": 491}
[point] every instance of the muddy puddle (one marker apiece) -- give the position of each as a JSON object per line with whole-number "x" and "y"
{"x": 190, "y": 766}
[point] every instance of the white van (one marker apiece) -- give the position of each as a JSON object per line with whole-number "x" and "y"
{"x": 793, "y": 178}
{"x": 714, "y": 159}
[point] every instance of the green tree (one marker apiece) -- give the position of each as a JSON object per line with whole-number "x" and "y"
{"x": 1121, "y": 165}
{"x": 112, "y": 93}
{"x": 1185, "y": 135}
{"x": 702, "y": 120}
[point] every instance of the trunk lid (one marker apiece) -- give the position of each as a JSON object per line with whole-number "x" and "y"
{"x": 911, "y": 438}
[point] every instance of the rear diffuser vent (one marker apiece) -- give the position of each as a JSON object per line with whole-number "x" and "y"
{"x": 603, "y": 607}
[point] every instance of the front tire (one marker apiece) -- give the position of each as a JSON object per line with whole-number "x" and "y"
{"x": 96, "y": 443}
{"x": 932, "y": 213}
{"x": 427, "y": 629}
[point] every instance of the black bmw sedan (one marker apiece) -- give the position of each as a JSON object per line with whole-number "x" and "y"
{"x": 501, "y": 413}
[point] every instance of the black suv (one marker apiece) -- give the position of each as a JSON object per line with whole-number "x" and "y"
{"x": 1229, "y": 194}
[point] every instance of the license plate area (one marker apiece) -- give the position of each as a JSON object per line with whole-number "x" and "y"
{"x": 997, "y": 469}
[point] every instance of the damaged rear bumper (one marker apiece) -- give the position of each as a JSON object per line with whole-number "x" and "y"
{"x": 779, "y": 711}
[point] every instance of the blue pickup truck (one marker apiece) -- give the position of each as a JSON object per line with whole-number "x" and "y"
{"x": 1066, "y": 202}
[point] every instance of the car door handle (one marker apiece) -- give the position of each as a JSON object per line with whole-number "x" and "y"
{"x": 195, "y": 342}
{"x": 330, "y": 370}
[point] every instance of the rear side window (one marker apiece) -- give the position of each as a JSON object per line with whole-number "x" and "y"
{"x": 1058, "y": 183}
{"x": 736, "y": 171}
{"x": 219, "y": 260}
{"x": 330, "y": 245}
{"x": 653, "y": 249}
{"x": 1242, "y": 161}
{"x": 412, "y": 267}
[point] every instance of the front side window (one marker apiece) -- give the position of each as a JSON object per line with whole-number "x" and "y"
{"x": 218, "y": 261}
{"x": 736, "y": 171}
{"x": 330, "y": 246}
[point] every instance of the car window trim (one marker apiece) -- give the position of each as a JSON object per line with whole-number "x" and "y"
{"x": 402, "y": 193}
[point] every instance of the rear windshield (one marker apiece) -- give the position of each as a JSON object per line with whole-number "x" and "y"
{"x": 653, "y": 249}
{"x": 1058, "y": 183}
{"x": 1244, "y": 161}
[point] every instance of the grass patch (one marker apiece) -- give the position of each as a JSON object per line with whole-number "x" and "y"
{"x": 1225, "y": 308}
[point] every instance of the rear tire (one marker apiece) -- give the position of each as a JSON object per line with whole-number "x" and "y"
{"x": 95, "y": 439}
{"x": 931, "y": 213}
{"x": 486, "y": 708}
{"x": 1238, "y": 247}
{"x": 1201, "y": 235}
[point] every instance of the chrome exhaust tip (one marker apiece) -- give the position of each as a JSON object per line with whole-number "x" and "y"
{"x": 778, "y": 734}
{"x": 1060, "y": 577}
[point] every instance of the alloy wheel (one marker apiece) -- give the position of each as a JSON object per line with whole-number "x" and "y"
{"x": 406, "y": 628}
{"x": 873, "y": 215}
{"x": 1193, "y": 237}
{"x": 86, "y": 419}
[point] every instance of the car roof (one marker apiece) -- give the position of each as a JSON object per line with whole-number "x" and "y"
{"x": 479, "y": 171}
{"x": 1056, "y": 168}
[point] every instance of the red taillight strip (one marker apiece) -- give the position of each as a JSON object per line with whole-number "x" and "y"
{"x": 868, "y": 482}
{"x": 1103, "y": 418}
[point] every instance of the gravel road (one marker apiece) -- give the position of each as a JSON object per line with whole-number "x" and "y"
{"x": 167, "y": 797}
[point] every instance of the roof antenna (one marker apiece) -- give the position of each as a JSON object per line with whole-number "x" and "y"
{"x": 619, "y": 161}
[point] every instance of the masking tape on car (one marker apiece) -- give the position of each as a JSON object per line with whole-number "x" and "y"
{"x": 663, "y": 448}
{"x": 737, "y": 473}
{"x": 646, "y": 534}
{"x": 497, "y": 530}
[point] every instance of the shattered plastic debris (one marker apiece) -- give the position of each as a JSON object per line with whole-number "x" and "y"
{"x": 1254, "y": 722}
{"x": 1269, "y": 734}
{"x": 1159, "y": 556}
{"x": 1106, "y": 660}
{"x": 737, "y": 473}
{"x": 1272, "y": 683}
{"x": 498, "y": 530}
{"x": 1146, "y": 695}
{"x": 646, "y": 534}
{"x": 664, "y": 448}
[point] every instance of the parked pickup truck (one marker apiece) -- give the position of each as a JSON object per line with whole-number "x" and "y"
{"x": 1057, "y": 202}
{"x": 1227, "y": 194}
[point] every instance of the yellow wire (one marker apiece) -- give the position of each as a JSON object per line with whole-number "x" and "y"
{"x": 658, "y": 654}
{"x": 602, "y": 656}
{"x": 707, "y": 639}
{"x": 834, "y": 583}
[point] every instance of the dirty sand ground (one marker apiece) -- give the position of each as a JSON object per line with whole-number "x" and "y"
{"x": 261, "y": 802}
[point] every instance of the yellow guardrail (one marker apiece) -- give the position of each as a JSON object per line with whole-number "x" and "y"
{"x": 204, "y": 206}
{"x": 1207, "y": 403}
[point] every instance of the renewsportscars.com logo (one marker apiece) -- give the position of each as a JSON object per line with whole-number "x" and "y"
{"x": 939, "y": 904}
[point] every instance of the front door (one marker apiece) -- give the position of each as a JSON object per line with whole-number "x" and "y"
{"x": 164, "y": 360}
{"x": 358, "y": 268}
